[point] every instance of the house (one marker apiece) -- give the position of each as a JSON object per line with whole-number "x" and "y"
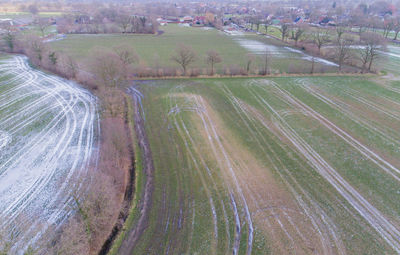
{"x": 187, "y": 19}
{"x": 199, "y": 20}
{"x": 298, "y": 20}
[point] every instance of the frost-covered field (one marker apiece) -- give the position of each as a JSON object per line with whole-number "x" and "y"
{"x": 47, "y": 143}
{"x": 260, "y": 48}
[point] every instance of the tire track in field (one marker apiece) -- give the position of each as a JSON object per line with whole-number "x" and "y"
{"x": 364, "y": 150}
{"x": 196, "y": 104}
{"x": 323, "y": 226}
{"x": 191, "y": 105}
{"x": 369, "y": 104}
{"x": 379, "y": 108}
{"x": 53, "y": 139}
{"x": 374, "y": 217}
{"x": 344, "y": 109}
{"x": 219, "y": 149}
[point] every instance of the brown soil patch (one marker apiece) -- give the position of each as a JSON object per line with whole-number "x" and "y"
{"x": 273, "y": 208}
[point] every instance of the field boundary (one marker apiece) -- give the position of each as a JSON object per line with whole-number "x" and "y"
{"x": 137, "y": 184}
{"x": 134, "y": 233}
{"x": 255, "y": 76}
{"x": 129, "y": 194}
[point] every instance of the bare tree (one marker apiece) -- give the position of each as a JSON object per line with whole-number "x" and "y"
{"x": 42, "y": 24}
{"x": 396, "y": 27}
{"x": 359, "y": 19}
{"x": 320, "y": 38}
{"x": 108, "y": 68}
{"x": 184, "y": 56}
{"x": 257, "y": 22}
{"x": 251, "y": 21}
{"x": 284, "y": 29}
{"x": 342, "y": 51}
{"x": 340, "y": 30}
{"x": 213, "y": 58}
{"x": 124, "y": 20}
{"x": 35, "y": 49}
{"x": 68, "y": 66}
{"x": 372, "y": 43}
{"x": 52, "y": 58}
{"x": 267, "y": 23}
{"x": 297, "y": 33}
{"x": 388, "y": 25}
{"x": 9, "y": 37}
{"x": 33, "y": 9}
{"x": 127, "y": 55}
{"x": 249, "y": 62}
{"x": 312, "y": 64}
{"x": 266, "y": 62}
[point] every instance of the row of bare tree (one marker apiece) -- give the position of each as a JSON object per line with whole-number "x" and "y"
{"x": 341, "y": 46}
{"x": 120, "y": 64}
{"x": 107, "y": 20}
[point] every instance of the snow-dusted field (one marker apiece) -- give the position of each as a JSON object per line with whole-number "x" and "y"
{"x": 47, "y": 145}
{"x": 260, "y": 48}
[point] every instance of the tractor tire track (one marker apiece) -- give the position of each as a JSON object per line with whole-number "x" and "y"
{"x": 374, "y": 217}
{"x": 37, "y": 169}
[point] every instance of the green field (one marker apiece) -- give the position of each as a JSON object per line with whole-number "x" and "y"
{"x": 4, "y": 15}
{"x": 273, "y": 166}
{"x": 156, "y": 50}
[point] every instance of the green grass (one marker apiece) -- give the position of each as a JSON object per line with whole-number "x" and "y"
{"x": 156, "y": 50}
{"x": 272, "y": 30}
{"x": 181, "y": 182}
{"x": 153, "y": 48}
{"x": 34, "y": 30}
{"x": 138, "y": 185}
{"x": 5, "y": 15}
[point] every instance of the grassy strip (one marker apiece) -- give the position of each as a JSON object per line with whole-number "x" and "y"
{"x": 202, "y": 77}
{"x": 139, "y": 180}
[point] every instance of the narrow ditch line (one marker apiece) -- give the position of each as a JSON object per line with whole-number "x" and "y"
{"x": 129, "y": 192}
{"x": 145, "y": 205}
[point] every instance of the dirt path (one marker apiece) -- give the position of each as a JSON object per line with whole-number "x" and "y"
{"x": 136, "y": 232}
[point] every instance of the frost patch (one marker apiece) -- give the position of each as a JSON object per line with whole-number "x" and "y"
{"x": 5, "y": 139}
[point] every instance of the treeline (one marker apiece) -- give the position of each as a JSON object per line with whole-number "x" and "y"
{"x": 106, "y": 20}
{"x": 335, "y": 43}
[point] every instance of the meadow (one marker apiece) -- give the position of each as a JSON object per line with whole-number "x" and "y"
{"x": 156, "y": 50}
{"x": 280, "y": 165}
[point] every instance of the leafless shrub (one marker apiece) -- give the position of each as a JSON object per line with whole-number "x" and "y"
{"x": 67, "y": 66}
{"x": 107, "y": 67}
{"x": 35, "y": 49}
{"x": 372, "y": 43}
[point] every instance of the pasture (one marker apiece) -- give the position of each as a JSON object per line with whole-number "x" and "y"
{"x": 156, "y": 50}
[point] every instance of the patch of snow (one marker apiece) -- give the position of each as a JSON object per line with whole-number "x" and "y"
{"x": 57, "y": 37}
{"x": 259, "y": 48}
{"x": 309, "y": 57}
{"x": 5, "y": 139}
